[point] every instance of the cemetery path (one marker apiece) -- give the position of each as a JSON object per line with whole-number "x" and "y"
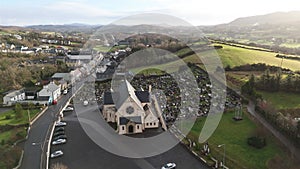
{"x": 292, "y": 148}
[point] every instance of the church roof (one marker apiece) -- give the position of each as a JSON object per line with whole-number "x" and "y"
{"x": 124, "y": 92}
{"x": 143, "y": 96}
{"x": 134, "y": 119}
{"x": 108, "y": 99}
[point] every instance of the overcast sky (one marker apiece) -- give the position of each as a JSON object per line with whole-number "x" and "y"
{"x": 196, "y": 12}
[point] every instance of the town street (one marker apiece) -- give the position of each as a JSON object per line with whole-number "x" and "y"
{"x": 36, "y": 143}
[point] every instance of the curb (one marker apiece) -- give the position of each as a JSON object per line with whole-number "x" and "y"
{"x": 39, "y": 115}
{"x": 20, "y": 161}
{"x": 49, "y": 145}
{"x": 52, "y": 130}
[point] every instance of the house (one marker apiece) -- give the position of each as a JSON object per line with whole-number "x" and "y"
{"x": 131, "y": 110}
{"x": 64, "y": 79}
{"x": 61, "y": 76}
{"x": 51, "y": 90}
{"x": 31, "y": 94}
{"x": 13, "y": 97}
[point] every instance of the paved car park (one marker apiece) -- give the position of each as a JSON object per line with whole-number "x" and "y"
{"x": 80, "y": 152}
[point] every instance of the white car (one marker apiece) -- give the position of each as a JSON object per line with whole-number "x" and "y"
{"x": 169, "y": 166}
{"x": 59, "y": 141}
{"x": 85, "y": 103}
{"x": 65, "y": 91}
{"x": 60, "y": 123}
{"x": 56, "y": 154}
{"x": 68, "y": 109}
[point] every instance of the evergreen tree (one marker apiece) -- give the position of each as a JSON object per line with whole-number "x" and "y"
{"x": 18, "y": 111}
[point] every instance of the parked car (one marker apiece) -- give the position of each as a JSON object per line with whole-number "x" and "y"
{"x": 85, "y": 103}
{"x": 60, "y": 124}
{"x": 58, "y": 133}
{"x": 59, "y": 137}
{"x": 169, "y": 166}
{"x": 59, "y": 129}
{"x": 56, "y": 154}
{"x": 65, "y": 91}
{"x": 59, "y": 141}
{"x": 68, "y": 109}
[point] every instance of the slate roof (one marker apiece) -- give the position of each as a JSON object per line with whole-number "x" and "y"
{"x": 65, "y": 76}
{"x": 143, "y": 96}
{"x": 53, "y": 87}
{"x": 108, "y": 99}
{"x": 125, "y": 91}
{"x": 134, "y": 119}
{"x": 14, "y": 93}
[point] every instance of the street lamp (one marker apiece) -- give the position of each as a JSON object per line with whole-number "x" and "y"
{"x": 29, "y": 123}
{"x": 224, "y": 155}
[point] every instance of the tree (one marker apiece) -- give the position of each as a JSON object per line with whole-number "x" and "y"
{"x": 19, "y": 111}
{"x": 31, "y": 106}
{"x": 249, "y": 87}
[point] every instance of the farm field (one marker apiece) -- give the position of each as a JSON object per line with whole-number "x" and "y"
{"x": 282, "y": 100}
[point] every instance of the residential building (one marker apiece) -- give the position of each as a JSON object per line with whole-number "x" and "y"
{"x": 13, "y": 97}
{"x": 52, "y": 90}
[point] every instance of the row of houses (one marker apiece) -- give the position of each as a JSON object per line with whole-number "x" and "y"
{"x": 49, "y": 94}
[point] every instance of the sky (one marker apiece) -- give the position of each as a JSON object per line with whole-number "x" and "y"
{"x": 196, "y": 12}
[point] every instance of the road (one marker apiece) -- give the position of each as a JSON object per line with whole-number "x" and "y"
{"x": 5, "y": 109}
{"x": 80, "y": 152}
{"x": 37, "y": 138}
{"x": 294, "y": 150}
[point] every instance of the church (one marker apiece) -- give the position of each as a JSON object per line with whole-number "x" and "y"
{"x": 131, "y": 110}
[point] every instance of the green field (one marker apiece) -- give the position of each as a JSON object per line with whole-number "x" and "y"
{"x": 232, "y": 56}
{"x": 235, "y": 56}
{"x": 234, "y": 135}
{"x": 13, "y": 121}
{"x": 282, "y": 100}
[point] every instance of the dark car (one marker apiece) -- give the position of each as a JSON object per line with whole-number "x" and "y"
{"x": 59, "y": 129}
{"x": 59, "y": 133}
{"x": 60, "y": 137}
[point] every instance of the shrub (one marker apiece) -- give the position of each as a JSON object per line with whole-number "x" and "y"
{"x": 7, "y": 117}
{"x": 257, "y": 142}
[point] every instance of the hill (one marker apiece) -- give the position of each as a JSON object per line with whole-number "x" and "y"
{"x": 277, "y": 18}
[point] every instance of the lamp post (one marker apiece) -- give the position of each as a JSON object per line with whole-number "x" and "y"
{"x": 29, "y": 123}
{"x": 224, "y": 155}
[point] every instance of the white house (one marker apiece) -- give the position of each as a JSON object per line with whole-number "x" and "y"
{"x": 52, "y": 90}
{"x": 13, "y": 97}
{"x": 130, "y": 109}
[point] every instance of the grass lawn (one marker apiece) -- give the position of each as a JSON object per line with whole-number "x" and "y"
{"x": 5, "y": 136}
{"x": 235, "y": 56}
{"x": 102, "y": 48}
{"x": 234, "y": 135}
{"x": 13, "y": 121}
{"x": 282, "y": 100}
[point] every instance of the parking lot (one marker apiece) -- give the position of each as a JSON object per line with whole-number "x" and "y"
{"x": 80, "y": 152}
